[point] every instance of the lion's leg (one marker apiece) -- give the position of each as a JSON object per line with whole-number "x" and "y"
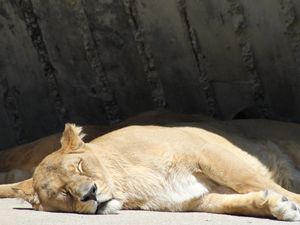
{"x": 238, "y": 171}
{"x": 263, "y": 203}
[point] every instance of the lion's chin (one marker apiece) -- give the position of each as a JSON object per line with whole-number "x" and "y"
{"x": 111, "y": 206}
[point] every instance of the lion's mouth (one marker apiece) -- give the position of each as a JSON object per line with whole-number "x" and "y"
{"x": 101, "y": 206}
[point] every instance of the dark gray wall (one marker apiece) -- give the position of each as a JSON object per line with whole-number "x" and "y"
{"x": 99, "y": 61}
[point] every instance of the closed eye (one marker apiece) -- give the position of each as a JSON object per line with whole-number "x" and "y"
{"x": 64, "y": 193}
{"x": 83, "y": 169}
{"x": 79, "y": 167}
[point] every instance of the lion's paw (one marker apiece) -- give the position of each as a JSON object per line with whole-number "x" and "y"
{"x": 281, "y": 207}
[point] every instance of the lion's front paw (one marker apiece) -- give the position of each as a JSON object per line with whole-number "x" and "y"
{"x": 281, "y": 207}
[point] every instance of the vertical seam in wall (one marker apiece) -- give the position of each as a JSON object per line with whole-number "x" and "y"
{"x": 292, "y": 25}
{"x": 144, "y": 51}
{"x": 211, "y": 101}
{"x": 236, "y": 11}
{"x": 11, "y": 105}
{"x": 50, "y": 73}
{"x": 102, "y": 85}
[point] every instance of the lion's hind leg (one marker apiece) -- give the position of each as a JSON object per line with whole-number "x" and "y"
{"x": 247, "y": 176}
{"x": 235, "y": 169}
{"x": 263, "y": 203}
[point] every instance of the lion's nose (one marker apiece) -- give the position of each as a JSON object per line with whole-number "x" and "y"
{"x": 90, "y": 193}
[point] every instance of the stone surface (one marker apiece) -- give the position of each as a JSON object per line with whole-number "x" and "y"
{"x": 13, "y": 212}
{"x": 99, "y": 61}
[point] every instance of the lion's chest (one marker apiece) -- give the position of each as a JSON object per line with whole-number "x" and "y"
{"x": 175, "y": 192}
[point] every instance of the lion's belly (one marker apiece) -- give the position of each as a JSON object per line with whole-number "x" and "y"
{"x": 177, "y": 192}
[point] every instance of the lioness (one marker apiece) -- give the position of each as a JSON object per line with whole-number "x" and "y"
{"x": 176, "y": 168}
{"x": 18, "y": 163}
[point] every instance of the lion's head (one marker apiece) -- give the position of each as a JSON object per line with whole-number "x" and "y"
{"x": 69, "y": 180}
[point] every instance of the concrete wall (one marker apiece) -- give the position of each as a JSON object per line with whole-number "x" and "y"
{"x": 99, "y": 61}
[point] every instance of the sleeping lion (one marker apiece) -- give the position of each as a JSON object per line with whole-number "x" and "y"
{"x": 18, "y": 163}
{"x": 241, "y": 168}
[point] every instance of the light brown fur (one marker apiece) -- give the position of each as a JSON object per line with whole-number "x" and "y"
{"x": 18, "y": 163}
{"x": 218, "y": 167}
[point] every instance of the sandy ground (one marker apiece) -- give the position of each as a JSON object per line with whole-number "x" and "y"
{"x": 15, "y": 212}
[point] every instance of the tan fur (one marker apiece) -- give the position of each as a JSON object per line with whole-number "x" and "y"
{"x": 218, "y": 167}
{"x": 18, "y": 163}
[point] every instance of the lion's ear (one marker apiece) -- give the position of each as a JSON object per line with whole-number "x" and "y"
{"x": 72, "y": 138}
{"x": 23, "y": 190}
